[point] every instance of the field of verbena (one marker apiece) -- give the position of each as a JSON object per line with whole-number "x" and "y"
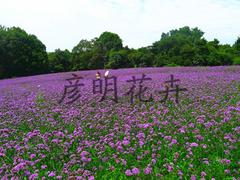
{"x": 197, "y": 138}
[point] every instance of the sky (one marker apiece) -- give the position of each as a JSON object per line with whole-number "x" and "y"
{"x": 63, "y": 23}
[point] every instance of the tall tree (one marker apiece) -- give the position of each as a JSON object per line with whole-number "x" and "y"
{"x": 21, "y": 53}
{"x": 237, "y": 44}
{"x": 59, "y": 61}
{"x": 187, "y": 47}
{"x": 236, "y": 48}
{"x": 118, "y": 59}
{"x": 87, "y": 55}
{"x": 109, "y": 41}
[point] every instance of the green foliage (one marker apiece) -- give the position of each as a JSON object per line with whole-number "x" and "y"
{"x": 118, "y": 59}
{"x": 236, "y": 60}
{"x": 172, "y": 65}
{"x": 21, "y": 54}
{"x": 178, "y": 46}
{"x": 87, "y": 55}
{"x": 59, "y": 61}
{"x": 237, "y": 45}
{"x": 187, "y": 47}
{"x": 109, "y": 41}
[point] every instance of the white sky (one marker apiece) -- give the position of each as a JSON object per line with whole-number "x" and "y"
{"x": 63, "y": 23}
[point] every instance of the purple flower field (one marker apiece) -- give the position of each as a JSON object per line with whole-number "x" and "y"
{"x": 199, "y": 138}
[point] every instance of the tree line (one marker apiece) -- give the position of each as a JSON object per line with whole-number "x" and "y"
{"x": 23, "y": 54}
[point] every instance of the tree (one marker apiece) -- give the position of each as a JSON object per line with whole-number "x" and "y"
{"x": 81, "y": 54}
{"x": 236, "y": 53}
{"x": 236, "y": 45}
{"x": 21, "y": 54}
{"x": 179, "y": 47}
{"x": 88, "y": 55}
{"x": 118, "y": 59}
{"x": 109, "y": 41}
{"x": 134, "y": 57}
{"x": 187, "y": 47}
{"x": 147, "y": 57}
{"x": 219, "y": 54}
{"x": 59, "y": 61}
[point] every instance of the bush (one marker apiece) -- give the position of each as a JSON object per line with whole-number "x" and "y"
{"x": 236, "y": 60}
{"x": 172, "y": 65}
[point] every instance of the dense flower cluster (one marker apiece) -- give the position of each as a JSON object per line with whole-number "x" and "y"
{"x": 195, "y": 139}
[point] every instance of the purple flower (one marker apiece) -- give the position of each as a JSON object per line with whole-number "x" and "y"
{"x": 91, "y": 178}
{"x": 124, "y": 162}
{"x": 203, "y": 174}
{"x": 168, "y": 137}
{"x": 135, "y": 171}
{"x": 125, "y": 142}
{"x": 145, "y": 126}
{"x": 176, "y": 155}
{"x": 55, "y": 141}
{"x": 51, "y": 174}
{"x": 60, "y": 134}
{"x": 206, "y": 162}
{"x": 199, "y": 137}
{"x": 227, "y": 171}
{"x": 148, "y": 170}
{"x": 193, "y": 177}
{"x": 84, "y": 153}
{"x": 154, "y": 161}
{"x": 43, "y": 166}
{"x": 141, "y": 135}
{"x": 85, "y": 159}
{"x": 128, "y": 172}
{"x": 169, "y": 168}
{"x": 19, "y": 167}
{"x": 226, "y": 161}
{"x": 141, "y": 143}
{"x": 33, "y": 176}
{"x": 112, "y": 168}
{"x": 194, "y": 144}
{"x": 120, "y": 148}
{"x": 174, "y": 141}
{"x": 32, "y": 156}
{"x": 111, "y": 144}
{"x": 180, "y": 173}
